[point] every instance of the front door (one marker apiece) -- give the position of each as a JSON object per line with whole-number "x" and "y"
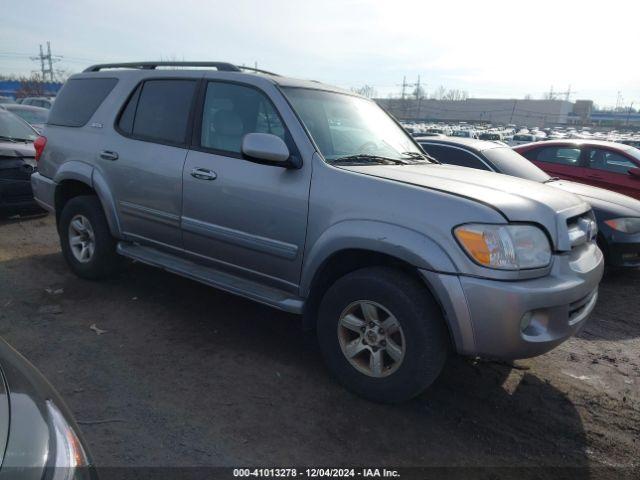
{"x": 609, "y": 169}
{"x": 247, "y": 218}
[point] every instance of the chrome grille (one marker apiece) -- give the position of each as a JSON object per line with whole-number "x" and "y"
{"x": 582, "y": 229}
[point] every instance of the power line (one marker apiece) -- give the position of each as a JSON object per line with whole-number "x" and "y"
{"x": 46, "y": 62}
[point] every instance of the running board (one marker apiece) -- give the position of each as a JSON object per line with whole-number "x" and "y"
{"x": 215, "y": 278}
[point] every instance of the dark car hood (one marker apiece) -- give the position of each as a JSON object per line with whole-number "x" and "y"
{"x": 517, "y": 199}
{"x": 11, "y": 149}
{"x": 602, "y": 199}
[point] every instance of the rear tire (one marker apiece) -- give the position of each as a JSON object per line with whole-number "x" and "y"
{"x": 85, "y": 239}
{"x": 414, "y": 351}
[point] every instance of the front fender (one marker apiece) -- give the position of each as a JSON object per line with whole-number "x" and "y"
{"x": 411, "y": 246}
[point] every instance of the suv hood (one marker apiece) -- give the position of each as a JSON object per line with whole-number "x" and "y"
{"x": 518, "y": 200}
{"x": 600, "y": 198}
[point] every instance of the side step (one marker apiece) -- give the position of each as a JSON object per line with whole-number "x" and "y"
{"x": 215, "y": 278}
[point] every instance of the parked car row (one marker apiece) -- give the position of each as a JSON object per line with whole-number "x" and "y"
{"x": 618, "y": 215}
{"x": 41, "y": 102}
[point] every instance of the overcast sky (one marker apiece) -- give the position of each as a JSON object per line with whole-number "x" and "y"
{"x": 489, "y": 48}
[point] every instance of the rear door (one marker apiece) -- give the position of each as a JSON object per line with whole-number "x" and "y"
{"x": 243, "y": 217}
{"x": 143, "y": 163}
{"x": 610, "y": 169}
{"x": 562, "y": 161}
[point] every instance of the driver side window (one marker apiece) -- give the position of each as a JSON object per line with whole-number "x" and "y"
{"x": 231, "y": 111}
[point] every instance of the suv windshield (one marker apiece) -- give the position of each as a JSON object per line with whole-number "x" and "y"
{"x": 344, "y": 126}
{"x": 14, "y": 129}
{"x": 512, "y": 163}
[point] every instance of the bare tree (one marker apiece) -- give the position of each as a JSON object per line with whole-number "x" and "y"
{"x": 456, "y": 95}
{"x": 366, "y": 91}
{"x": 439, "y": 93}
{"x": 31, "y": 87}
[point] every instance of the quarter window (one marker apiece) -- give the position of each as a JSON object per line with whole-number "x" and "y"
{"x": 231, "y": 111}
{"x": 78, "y": 100}
{"x": 601, "y": 159}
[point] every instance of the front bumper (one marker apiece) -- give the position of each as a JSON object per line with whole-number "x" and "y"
{"x": 622, "y": 249}
{"x": 520, "y": 319}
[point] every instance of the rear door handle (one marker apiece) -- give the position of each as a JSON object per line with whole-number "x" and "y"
{"x": 203, "y": 174}
{"x": 108, "y": 155}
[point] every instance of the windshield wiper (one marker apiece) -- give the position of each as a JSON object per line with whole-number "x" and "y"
{"x": 421, "y": 156}
{"x": 9, "y": 139}
{"x": 552, "y": 179}
{"x": 363, "y": 157}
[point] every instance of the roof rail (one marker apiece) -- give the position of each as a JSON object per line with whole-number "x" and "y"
{"x": 257, "y": 70}
{"x": 222, "y": 66}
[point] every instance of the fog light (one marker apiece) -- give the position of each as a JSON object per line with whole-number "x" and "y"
{"x": 525, "y": 321}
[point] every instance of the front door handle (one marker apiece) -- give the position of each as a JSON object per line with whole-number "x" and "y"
{"x": 108, "y": 155}
{"x": 203, "y": 174}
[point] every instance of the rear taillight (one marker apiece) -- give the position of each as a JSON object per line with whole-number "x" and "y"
{"x": 39, "y": 145}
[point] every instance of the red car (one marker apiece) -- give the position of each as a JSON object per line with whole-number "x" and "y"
{"x": 609, "y": 165}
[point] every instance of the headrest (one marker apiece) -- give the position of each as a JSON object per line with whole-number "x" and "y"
{"x": 228, "y": 122}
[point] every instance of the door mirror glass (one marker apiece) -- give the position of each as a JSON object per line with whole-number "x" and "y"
{"x": 635, "y": 173}
{"x": 265, "y": 148}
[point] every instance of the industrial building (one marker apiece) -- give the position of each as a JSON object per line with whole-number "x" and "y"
{"x": 491, "y": 110}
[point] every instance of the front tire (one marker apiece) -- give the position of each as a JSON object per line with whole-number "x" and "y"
{"x": 85, "y": 239}
{"x": 382, "y": 334}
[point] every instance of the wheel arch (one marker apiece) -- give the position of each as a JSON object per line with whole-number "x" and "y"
{"x": 76, "y": 178}
{"x": 338, "y": 253}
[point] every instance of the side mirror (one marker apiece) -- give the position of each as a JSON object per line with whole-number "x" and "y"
{"x": 265, "y": 148}
{"x": 635, "y": 172}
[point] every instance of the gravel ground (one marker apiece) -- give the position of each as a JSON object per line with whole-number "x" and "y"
{"x": 163, "y": 371}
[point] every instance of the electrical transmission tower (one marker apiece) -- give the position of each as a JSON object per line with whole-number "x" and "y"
{"x": 46, "y": 62}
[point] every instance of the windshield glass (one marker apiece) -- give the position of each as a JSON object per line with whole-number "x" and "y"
{"x": 12, "y": 128}
{"x": 31, "y": 116}
{"x": 345, "y": 125}
{"x": 512, "y": 163}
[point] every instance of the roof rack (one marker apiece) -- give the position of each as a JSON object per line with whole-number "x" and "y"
{"x": 222, "y": 66}
{"x": 257, "y": 70}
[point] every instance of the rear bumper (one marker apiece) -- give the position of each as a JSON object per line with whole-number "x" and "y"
{"x": 43, "y": 191}
{"x": 520, "y": 319}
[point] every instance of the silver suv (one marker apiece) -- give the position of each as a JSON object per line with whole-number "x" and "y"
{"x": 313, "y": 200}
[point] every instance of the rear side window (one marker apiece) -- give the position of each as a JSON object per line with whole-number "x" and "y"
{"x": 560, "y": 155}
{"x": 158, "y": 111}
{"x": 78, "y": 100}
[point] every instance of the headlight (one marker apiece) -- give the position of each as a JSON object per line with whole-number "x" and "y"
{"x": 505, "y": 247}
{"x": 70, "y": 461}
{"x": 625, "y": 225}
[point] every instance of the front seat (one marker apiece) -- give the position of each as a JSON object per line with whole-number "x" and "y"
{"x": 228, "y": 131}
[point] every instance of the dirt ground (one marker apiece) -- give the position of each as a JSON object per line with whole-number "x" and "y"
{"x": 162, "y": 371}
